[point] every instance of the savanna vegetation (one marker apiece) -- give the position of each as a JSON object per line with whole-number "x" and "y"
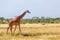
{"x": 32, "y": 29}
{"x": 32, "y": 32}
{"x": 34, "y": 20}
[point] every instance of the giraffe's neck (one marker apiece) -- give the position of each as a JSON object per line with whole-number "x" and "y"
{"x": 22, "y": 15}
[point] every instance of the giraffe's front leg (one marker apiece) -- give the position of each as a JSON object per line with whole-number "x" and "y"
{"x": 19, "y": 28}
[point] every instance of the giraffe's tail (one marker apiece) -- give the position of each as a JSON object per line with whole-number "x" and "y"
{"x": 7, "y": 21}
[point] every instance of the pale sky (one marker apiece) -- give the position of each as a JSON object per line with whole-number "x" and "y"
{"x": 38, "y": 8}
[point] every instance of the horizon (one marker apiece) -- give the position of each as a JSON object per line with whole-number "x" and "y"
{"x": 38, "y": 8}
{"x": 33, "y": 17}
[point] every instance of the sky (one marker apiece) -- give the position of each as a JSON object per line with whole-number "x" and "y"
{"x": 38, "y": 8}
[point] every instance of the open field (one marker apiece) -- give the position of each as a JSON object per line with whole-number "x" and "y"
{"x": 32, "y": 32}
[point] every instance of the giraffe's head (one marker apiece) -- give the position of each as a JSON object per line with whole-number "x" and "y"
{"x": 27, "y": 11}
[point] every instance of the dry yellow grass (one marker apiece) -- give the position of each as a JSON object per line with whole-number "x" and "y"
{"x": 32, "y": 32}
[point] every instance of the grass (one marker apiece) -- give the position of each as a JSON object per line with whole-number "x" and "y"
{"x": 28, "y": 36}
{"x": 33, "y": 32}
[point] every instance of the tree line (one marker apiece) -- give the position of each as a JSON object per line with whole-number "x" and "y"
{"x": 33, "y": 20}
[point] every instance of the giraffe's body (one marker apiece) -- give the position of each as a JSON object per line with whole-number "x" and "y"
{"x": 16, "y": 21}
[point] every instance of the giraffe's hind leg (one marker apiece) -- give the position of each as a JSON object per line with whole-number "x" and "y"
{"x": 15, "y": 28}
{"x": 11, "y": 28}
{"x": 8, "y": 29}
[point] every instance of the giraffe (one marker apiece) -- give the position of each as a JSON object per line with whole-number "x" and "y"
{"x": 16, "y": 21}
